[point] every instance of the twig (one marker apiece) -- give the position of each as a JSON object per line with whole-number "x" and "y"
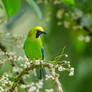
{"x": 78, "y": 21}
{"x": 56, "y": 76}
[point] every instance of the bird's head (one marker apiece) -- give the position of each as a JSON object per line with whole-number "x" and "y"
{"x": 37, "y": 31}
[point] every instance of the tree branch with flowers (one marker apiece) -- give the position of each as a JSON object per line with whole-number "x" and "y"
{"x": 16, "y": 78}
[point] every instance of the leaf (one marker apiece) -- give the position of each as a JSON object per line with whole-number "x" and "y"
{"x": 35, "y": 7}
{"x": 68, "y": 2}
{"x": 11, "y": 6}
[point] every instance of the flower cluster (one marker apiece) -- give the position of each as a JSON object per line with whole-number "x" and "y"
{"x": 49, "y": 90}
{"x": 33, "y": 86}
{"x": 86, "y": 38}
{"x": 22, "y": 69}
{"x": 65, "y": 66}
{"x": 23, "y": 72}
{"x": 5, "y": 83}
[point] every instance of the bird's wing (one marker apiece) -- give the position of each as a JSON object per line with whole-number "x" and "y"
{"x": 42, "y": 53}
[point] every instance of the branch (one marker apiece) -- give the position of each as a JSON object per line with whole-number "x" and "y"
{"x": 56, "y": 76}
{"x": 32, "y": 66}
{"x": 78, "y": 21}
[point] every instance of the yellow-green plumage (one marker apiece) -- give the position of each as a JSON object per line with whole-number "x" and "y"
{"x": 33, "y": 48}
{"x": 33, "y": 44}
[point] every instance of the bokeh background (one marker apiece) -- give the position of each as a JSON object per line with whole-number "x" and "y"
{"x": 64, "y": 23}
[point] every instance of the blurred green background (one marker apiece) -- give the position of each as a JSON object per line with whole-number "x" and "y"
{"x": 59, "y": 20}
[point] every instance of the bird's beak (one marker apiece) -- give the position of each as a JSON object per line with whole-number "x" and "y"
{"x": 44, "y": 32}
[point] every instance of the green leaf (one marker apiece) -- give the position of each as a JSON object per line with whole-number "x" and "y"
{"x": 35, "y": 7}
{"x": 11, "y": 6}
{"x": 68, "y": 2}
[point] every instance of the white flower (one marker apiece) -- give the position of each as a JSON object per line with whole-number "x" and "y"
{"x": 4, "y": 80}
{"x": 27, "y": 63}
{"x": 24, "y": 65}
{"x": 41, "y": 61}
{"x": 51, "y": 65}
{"x": 23, "y": 86}
{"x": 60, "y": 68}
{"x": 66, "y": 24}
{"x": 2, "y": 53}
{"x": 59, "y": 14}
{"x": 10, "y": 82}
{"x": 72, "y": 69}
{"x": 49, "y": 76}
{"x": 68, "y": 62}
{"x": 20, "y": 58}
{"x": 65, "y": 61}
{"x": 5, "y": 74}
{"x": 52, "y": 77}
{"x": 16, "y": 69}
{"x": 32, "y": 89}
{"x": 81, "y": 38}
{"x": 37, "y": 62}
{"x": 56, "y": 2}
{"x": 49, "y": 90}
{"x": 1, "y": 89}
{"x": 66, "y": 55}
{"x": 71, "y": 72}
{"x": 37, "y": 90}
{"x": 87, "y": 39}
{"x": 40, "y": 84}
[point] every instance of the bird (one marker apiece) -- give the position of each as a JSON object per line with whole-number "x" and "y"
{"x": 33, "y": 47}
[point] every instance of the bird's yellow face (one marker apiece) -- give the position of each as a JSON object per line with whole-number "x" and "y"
{"x": 38, "y": 28}
{"x": 37, "y": 31}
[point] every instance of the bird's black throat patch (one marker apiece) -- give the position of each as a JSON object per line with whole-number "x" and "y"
{"x": 38, "y": 33}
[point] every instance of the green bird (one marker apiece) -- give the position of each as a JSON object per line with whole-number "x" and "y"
{"x": 33, "y": 46}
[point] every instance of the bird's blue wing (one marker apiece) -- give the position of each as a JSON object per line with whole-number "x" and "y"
{"x": 42, "y": 53}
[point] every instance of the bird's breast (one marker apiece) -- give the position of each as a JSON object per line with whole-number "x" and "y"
{"x": 33, "y": 48}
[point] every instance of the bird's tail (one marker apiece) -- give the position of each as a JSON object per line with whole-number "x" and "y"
{"x": 41, "y": 73}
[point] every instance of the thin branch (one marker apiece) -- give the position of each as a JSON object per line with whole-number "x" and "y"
{"x": 78, "y": 21}
{"x": 32, "y": 66}
{"x": 25, "y": 71}
{"x": 56, "y": 76}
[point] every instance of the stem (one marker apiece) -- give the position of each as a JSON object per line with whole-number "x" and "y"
{"x": 56, "y": 80}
